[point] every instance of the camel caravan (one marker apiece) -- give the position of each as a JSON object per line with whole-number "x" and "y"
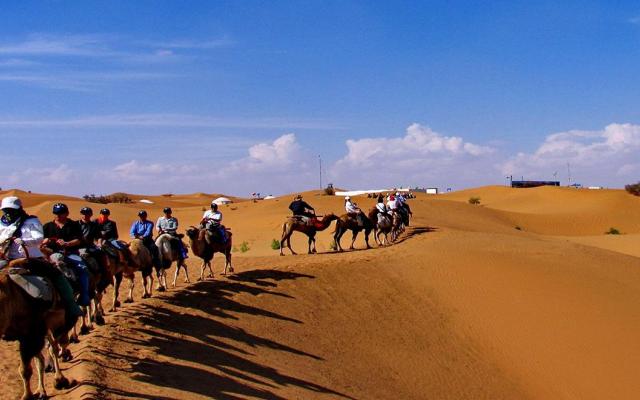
{"x": 55, "y": 274}
{"x": 387, "y": 220}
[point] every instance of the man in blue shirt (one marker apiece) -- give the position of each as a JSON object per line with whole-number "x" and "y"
{"x": 143, "y": 229}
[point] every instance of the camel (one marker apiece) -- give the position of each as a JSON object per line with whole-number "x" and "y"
{"x": 205, "y": 251}
{"x": 381, "y": 227}
{"x": 293, "y": 224}
{"x": 169, "y": 253}
{"x": 30, "y": 323}
{"x": 347, "y": 222}
{"x": 139, "y": 260}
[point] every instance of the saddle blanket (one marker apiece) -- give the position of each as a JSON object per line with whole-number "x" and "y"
{"x": 35, "y": 286}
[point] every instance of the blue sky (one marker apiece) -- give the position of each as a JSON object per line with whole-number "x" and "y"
{"x": 242, "y": 96}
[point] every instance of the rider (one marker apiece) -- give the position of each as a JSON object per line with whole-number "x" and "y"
{"x": 90, "y": 233}
{"x": 403, "y": 207}
{"x": 90, "y": 229}
{"x": 169, "y": 225}
{"x": 382, "y": 209}
{"x": 26, "y": 235}
{"x": 143, "y": 229}
{"x": 353, "y": 210}
{"x": 212, "y": 221}
{"x": 64, "y": 236}
{"x": 302, "y": 210}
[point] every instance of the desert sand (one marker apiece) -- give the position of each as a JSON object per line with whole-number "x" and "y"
{"x": 523, "y": 296}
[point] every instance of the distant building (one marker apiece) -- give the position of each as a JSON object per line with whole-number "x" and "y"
{"x": 430, "y": 190}
{"x": 530, "y": 184}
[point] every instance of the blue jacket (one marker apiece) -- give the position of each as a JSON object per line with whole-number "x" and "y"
{"x": 144, "y": 230}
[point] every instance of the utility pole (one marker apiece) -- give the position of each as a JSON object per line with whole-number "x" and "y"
{"x": 569, "y": 172}
{"x": 320, "y": 162}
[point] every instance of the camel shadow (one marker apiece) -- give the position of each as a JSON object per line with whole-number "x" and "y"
{"x": 410, "y": 233}
{"x": 200, "y": 353}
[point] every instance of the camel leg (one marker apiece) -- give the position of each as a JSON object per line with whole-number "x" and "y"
{"x": 61, "y": 382}
{"x": 314, "y": 245}
{"x": 175, "y": 276}
{"x": 202, "y": 268}
{"x": 117, "y": 280}
{"x": 353, "y": 239}
{"x": 289, "y": 245}
{"x": 228, "y": 262}
{"x": 27, "y": 352}
{"x": 85, "y": 327}
{"x": 336, "y": 238}
{"x": 283, "y": 238}
{"x": 310, "y": 242}
{"x": 42, "y": 392}
{"x": 74, "y": 336}
{"x": 99, "y": 311}
{"x": 131, "y": 285}
{"x": 186, "y": 272}
{"x": 210, "y": 269}
{"x": 366, "y": 238}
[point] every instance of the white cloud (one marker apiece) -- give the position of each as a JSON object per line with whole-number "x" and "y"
{"x": 277, "y": 165}
{"x": 422, "y": 156}
{"x": 42, "y": 178}
{"x": 608, "y": 156}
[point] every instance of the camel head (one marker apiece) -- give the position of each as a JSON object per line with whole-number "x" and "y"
{"x": 192, "y": 233}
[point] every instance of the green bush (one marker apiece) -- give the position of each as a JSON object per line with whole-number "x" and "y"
{"x": 633, "y": 189}
{"x": 612, "y": 231}
{"x": 244, "y": 247}
{"x": 275, "y": 244}
{"x": 474, "y": 200}
{"x": 333, "y": 245}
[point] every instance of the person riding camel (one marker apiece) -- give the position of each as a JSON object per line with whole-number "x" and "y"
{"x": 382, "y": 209}
{"x": 212, "y": 222}
{"x": 169, "y": 224}
{"x": 403, "y": 208}
{"x": 90, "y": 234}
{"x": 25, "y": 234}
{"x": 353, "y": 210}
{"x": 63, "y": 236}
{"x": 143, "y": 229}
{"x": 302, "y": 210}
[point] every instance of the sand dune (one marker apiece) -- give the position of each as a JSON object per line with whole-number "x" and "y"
{"x": 466, "y": 306}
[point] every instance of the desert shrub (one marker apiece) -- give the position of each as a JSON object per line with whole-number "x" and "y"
{"x": 634, "y": 189}
{"x": 333, "y": 245}
{"x": 105, "y": 199}
{"x": 612, "y": 231}
{"x": 275, "y": 244}
{"x": 474, "y": 200}
{"x": 329, "y": 190}
{"x": 244, "y": 247}
{"x": 234, "y": 249}
{"x": 120, "y": 198}
{"x": 167, "y": 195}
{"x": 518, "y": 228}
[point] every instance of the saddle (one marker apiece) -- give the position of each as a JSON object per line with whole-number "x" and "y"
{"x": 306, "y": 220}
{"x": 36, "y": 286}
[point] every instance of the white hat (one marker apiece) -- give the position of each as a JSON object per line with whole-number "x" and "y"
{"x": 347, "y": 198}
{"x": 11, "y": 202}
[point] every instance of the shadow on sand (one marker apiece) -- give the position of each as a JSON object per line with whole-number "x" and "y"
{"x": 192, "y": 343}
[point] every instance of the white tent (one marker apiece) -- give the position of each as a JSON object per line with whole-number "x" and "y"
{"x": 269, "y": 197}
{"x": 222, "y": 200}
{"x": 145, "y": 201}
